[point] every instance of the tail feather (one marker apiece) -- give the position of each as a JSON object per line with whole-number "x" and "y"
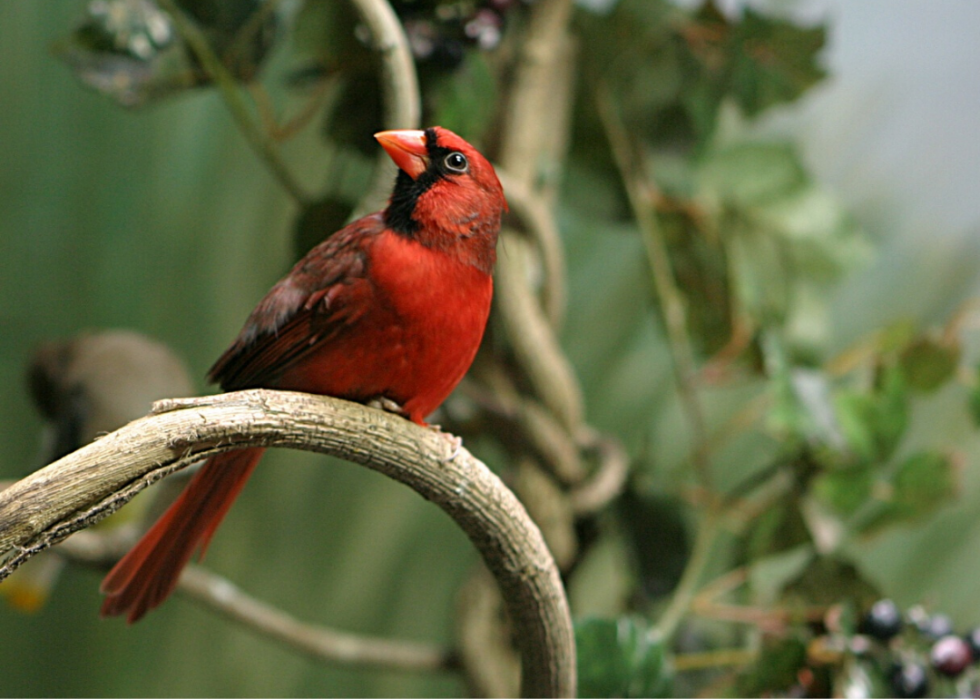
{"x": 146, "y": 576}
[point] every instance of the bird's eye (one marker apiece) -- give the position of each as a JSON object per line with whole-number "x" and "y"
{"x": 456, "y": 162}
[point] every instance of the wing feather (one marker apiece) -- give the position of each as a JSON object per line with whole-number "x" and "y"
{"x": 325, "y": 292}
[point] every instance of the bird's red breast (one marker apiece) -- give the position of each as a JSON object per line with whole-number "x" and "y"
{"x": 428, "y": 314}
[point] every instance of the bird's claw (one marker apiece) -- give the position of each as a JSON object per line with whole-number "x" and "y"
{"x": 386, "y": 404}
{"x": 455, "y": 444}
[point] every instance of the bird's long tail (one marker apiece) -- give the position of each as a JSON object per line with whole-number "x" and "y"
{"x": 146, "y": 576}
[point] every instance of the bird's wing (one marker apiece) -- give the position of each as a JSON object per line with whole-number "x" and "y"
{"x": 326, "y": 291}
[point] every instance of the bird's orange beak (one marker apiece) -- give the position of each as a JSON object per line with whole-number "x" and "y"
{"x": 408, "y": 150}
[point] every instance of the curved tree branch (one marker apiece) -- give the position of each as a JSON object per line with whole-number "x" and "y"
{"x": 94, "y": 481}
{"x": 533, "y": 341}
{"x": 538, "y": 221}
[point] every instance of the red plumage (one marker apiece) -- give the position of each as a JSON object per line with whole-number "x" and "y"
{"x": 392, "y": 306}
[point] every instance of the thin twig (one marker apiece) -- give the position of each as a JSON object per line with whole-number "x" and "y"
{"x": 687, "y": 588}
{"x": 318, "y": 642}
{"x": 638, "y": 189}
{"x": 249, "y": 30}
{"x": 91, "y": 483}
{"x": 101, "y": 549}
{"x": 264, "y": 146}
{"x": 714, "y": 659}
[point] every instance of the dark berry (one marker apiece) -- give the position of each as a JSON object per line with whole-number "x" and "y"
{"x": 883, "y": 621}
{"x": 910, "y": 680}
{"x": 950, "y": 656}
{"x": 972, "y": 639}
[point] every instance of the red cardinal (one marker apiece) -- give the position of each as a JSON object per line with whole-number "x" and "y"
{"x": 390, "y": 308}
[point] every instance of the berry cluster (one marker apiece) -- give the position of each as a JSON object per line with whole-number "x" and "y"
{"x": 440, "y": 32}
{"x": 921, "y": 650}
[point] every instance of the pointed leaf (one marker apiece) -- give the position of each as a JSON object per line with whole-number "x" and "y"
{"x": 928, "y": 363}
{"x": 618, "y": 658}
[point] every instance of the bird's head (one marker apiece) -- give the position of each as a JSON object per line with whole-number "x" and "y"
{"x": 447, "y": 196}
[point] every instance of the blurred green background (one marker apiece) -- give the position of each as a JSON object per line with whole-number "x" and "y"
{"x": 161, "y": 220}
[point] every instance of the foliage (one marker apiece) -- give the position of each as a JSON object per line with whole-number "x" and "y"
{"x": 618, "y": 658}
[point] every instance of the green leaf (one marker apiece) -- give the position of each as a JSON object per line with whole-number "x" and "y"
{"x": 802, "y": 405}
{"x": 921, "y": 484}
{"x": 845, "y": 490}
{"x": 830, "y": 580}
{"x": 619, "y": 658}
{"x": 787, "y": 240}
{"x": 779, "y": 528}
{"x": 891, "y": 410}
{"x": 701, "y": 266}
{"x": 873, "y": 423}
{"x": 774, "y": 61}
{"x": 929, "y": 362}
{"x": 775, "y": 671}
{"x": 752, "y": 173}
{"x": 759, "y": 62}
{"x": 855, "y": 415}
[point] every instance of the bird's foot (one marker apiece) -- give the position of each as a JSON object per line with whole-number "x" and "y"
{"x": 455, "y": 443}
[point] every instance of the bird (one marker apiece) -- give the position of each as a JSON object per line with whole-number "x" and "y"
{"x": 388, "y": 311}
{"x": 84, "y": 386}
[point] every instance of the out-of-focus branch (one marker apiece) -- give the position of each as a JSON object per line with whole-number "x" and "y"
{"x": 101, "y": 549}
{"x": 539, "y": 223}
{"x": 94, "y": 481}
{"x": 532, "y": 340}
{"x": 400, "y": 86}
{"x": 529, "y": 121}
{"x": 608, "y": 479}
{"x": 639, "y": 190}
{"x": 400, "y": 96}
{"x": 526, "y": 134}
{"x": 323, "y": 644}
